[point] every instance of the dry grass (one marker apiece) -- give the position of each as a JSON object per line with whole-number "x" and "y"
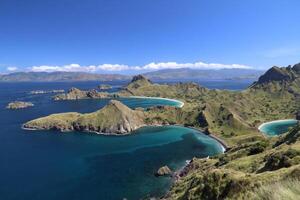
{"x": 282, "y": 190}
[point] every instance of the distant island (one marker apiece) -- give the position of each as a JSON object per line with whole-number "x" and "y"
{"x": 75, "y": 94}
{"x": 19, "y": 105}
{"x": 104, "y": 87}
{"x": 183, "y": 74}
{"x": 46, "y": 91}
{"x": 60, "y": 77}
{"x": 252, "y": 162}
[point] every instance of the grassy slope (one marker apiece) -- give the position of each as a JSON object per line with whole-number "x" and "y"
{"x": 233, "y": 116}
{"x": 243, "y": 171}
{"x": 254, "y": 160}
{"x": 113, "y": 118}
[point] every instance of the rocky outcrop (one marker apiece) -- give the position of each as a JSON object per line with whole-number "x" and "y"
{"x": 74, "y": 94}
{"x": 280, "y": 74}
{"x": 46, "y": 91}
{"x": 140, "y": 78}
{"x": 275, "y": 74}
{"x": 19, "y": 105}
{"x": 280, "y": 80}
{"x": 138, "y": 81}
{"x": 163, "y": 171}
{"x": 114, "y": 118}
{"x": 104, "y": 87}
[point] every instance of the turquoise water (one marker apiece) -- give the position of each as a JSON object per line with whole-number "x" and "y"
{"x": 148, "y": 102}
{"x": 275, "y": 128}
{"x": 50, "y": 165}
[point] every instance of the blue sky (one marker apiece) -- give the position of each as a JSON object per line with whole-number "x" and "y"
{"x": 125, "y": 36}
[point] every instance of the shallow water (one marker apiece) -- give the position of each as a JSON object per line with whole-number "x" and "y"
{"x": 50, "y": 165}
{"x": 275, "y": 128}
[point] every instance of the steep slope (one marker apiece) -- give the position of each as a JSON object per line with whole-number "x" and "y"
{"x": 282, "y": 80}
{"x": 241, "y": 171}
{"x": 114, "y": 118}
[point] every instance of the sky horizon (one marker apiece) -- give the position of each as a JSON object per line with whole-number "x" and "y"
{"x": 133, "y": 36}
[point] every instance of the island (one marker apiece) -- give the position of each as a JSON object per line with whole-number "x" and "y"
{"x": 75, "y": 94}
{"x": 251, "y": 164}
{"x": 163, "y": 171}
{"x": 19, "y": 105}
{"x": 104, "y": 87}
{"x": 46, "y": 91}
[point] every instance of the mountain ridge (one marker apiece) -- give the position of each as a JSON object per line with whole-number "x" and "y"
{"x": 164, "y": 74}
{"x": 60, "y": 77}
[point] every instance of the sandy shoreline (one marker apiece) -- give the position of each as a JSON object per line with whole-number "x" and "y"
{"x": 219, "y": 140}
{"x": 181, "y": 104}
{"x": 275, "y": 121}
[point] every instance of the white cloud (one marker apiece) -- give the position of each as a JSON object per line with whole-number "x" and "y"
{"x": 11, "y": 69}
{"x": 122, "y": 67}
{"x": 196, "y": 65}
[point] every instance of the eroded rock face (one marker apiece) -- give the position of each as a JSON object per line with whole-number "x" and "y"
{"x": 19, "y": 105}
{"x": 163, "y": 171}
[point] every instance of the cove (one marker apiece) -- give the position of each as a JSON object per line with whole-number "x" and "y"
{"x": 277, "y": 127}
{"x": 89, "y": 166}
{"x": 159, "y": 101}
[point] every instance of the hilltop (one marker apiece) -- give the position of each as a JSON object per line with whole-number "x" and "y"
{"x": 280, "y": 79}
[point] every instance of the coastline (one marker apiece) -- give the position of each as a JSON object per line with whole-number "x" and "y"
{"x": 186, "y": 167}
{"x": 181, "y": 104}
{"x": 275, "y": 121}
{"x": 223, "y": 144}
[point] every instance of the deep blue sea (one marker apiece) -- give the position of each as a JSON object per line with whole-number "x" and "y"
{"x": 48, "y": 165}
